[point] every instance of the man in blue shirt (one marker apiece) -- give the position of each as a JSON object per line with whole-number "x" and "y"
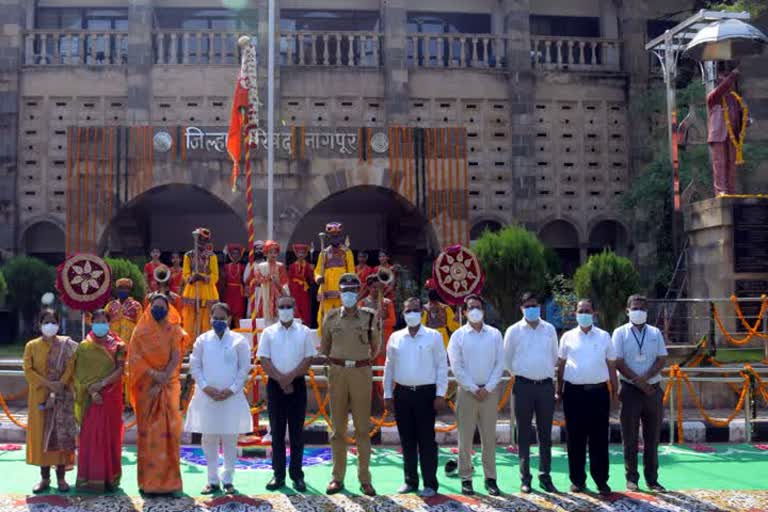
{"x": 640, "y": 357}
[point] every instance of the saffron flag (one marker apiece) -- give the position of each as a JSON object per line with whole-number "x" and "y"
{"x": 244, "y": 113}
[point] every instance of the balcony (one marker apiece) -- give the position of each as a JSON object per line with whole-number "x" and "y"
{"x": 75, "y": 48}
{"x": 481, "y": 51}
{"x": 575, "y": 54}
{"x": 313, "y": 48}
{"x": 200, "y": 47}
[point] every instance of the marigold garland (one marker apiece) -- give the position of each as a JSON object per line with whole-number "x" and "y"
{"x": 738, "y": 144}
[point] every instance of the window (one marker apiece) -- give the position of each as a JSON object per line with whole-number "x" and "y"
{"x": 441, "y": 52}
{"x": 205, "y": 19}
{"x": 350, "y": 20}
{"x": 69, "y": 18}
{"x": 569, "y": 26}
{"x": 655, "y": 28}
{"x": 96, "y": 48}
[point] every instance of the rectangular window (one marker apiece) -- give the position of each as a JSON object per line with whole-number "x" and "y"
{"x": 655, "y": 28}
{"x": 96, "y": 48}
{"x": 569, "y": 26}
{"x": 205, "y": 19}
{"x": 329, "y": 20}
{"x": 446, "y": 49}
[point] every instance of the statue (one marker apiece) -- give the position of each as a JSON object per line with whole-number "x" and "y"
{"x": 727, "y": 118}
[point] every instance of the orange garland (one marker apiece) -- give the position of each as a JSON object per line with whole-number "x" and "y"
{"x": 752, "y": 331}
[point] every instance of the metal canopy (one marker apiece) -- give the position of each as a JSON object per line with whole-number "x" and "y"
{"x": 682, "y": 33}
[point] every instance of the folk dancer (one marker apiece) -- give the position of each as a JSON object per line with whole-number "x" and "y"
{"x": 124, "y": 311}
{"x": 640, "y": 357}
{"x": 300, "y": 274}
{"x": 149, "y": 269}
{"x": 373, "y": 293}
{"x": 437, "y": 315}
{"x": 163, "y": 278}
{"x": 585, "y": 367}
{"x": 334, "y": 261}
{"x": 272, "y": 278}
{"x": 363, "y": 269}
{"x": 350, "y": 340}
{"x": 201, "y": 275}
{"x": 254, "y": 290}
{"x": 530, "y": 352}
{"x": 233, "y": 288}
{"x": 286, "y": 349}
{"x": 415, "y": 382}
{"x": 49, "y": 363}
{"x": 476, "y": 354}
{"x": 177, "y": 274}
{"x": 220, "y": 363}
{"x": 389, "y": 290}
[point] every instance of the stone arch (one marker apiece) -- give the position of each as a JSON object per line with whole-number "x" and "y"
{"x": 44, "y": 238}
{"x": 492, "y": 224}
{"x": 608, "y": 234}
{"x": 564, "y": 238}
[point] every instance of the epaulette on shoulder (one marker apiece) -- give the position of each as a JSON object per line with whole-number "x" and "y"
{"x": 368, "y": 310}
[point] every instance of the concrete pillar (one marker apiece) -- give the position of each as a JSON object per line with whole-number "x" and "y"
{"x": 609, "y": 28}
{"x": 11, "y": 44}
{"x": 521, "y": 97}
{"x": 140, "y": 61}
{"x": 394, "y": 23}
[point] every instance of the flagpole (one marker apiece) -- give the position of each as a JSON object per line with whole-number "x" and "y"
{"x": 271, "y": 122}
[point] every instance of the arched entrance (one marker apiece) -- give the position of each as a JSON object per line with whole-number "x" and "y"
{"x": 481, "y": 227}
{"x": 165, "y": 216}
{"x": 563, "y": 238}
{"x": 44, "y": 240}
{"x": 609, "y": 234}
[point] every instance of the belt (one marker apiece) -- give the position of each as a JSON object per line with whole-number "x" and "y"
{"x": 349, "y": 363}
{"x": 415, "y": 388}
{"x": 588, "y": 387}
{"x": 520, "y": 378}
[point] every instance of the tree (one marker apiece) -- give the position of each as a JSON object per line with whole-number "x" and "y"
{"x": 513, "y": 262}
{"x": 608, "y": 280}
{"x": 27, "y": 279}
{"x": 3, "y": 289}
{"x": 125, "y": 268}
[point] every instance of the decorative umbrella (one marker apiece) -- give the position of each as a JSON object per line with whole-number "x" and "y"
{"x": 728, "y": 39}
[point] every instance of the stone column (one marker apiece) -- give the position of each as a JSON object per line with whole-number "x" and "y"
{"x": 521, "y": 83}
{"x": 394, "y": 25}
{"x": 140, "y": 61}
{"x": 11, "y": 39}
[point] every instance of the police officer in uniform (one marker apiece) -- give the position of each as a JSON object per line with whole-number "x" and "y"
{"x": 350, "y": 341}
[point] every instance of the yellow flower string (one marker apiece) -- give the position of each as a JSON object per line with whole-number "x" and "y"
{"x": 738, "y": 144}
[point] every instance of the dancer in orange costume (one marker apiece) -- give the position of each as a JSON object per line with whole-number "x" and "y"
{"x": 300, "y": 274}
{"x": 234, "y": 290}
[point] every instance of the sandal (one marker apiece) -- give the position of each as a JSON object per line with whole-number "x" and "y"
{"x": 62, "y": 486}
{"x": 42, "y": 486}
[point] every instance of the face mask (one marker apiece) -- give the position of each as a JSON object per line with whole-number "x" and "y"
{"x": 49, "y": 329}
{"x": 285, "y": 315}
{"x": 412, "y": 318}
{"x": 348, "y": 299}
{"x": 584, "y": 319}
{"x": 122, "y": 294}
{"x": 532, "y": 313}
{"x": 159, "y": 312}
{"x": 475, "y": 315}
{"x": 100, "y": 329}
{"x": 638, "y": 316}
{"x": 219, "y": 326}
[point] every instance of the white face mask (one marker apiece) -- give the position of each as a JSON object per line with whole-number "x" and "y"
{"x": 285, "y": 315}
{"x": 638, "y": 316}
{"x": 412, "y": 319}
{"x": 349, "y": 299}
{"x": 475, "y": 315}
{"x": 49, "y": 329}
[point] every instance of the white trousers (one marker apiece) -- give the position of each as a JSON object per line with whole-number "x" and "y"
{"x": 228, "y": 443}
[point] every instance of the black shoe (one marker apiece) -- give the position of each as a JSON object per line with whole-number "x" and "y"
{"x": 466, "y": 488}
{"x": 604, "y": 490}
{"x": 451, "y": 466}
{"x": 210, "y": 489}
{"x": 229, "y": 489}
{"x": 525, "y": 488}
{"x": 299, "y": 485}
{"x": 657, "y": 487}
{"x": 578, "y": 488}
{"x": 632, "y": 486}
{"x": 491, "y": 487}
{"x": 548, "y": 486}
{"x": 275, "y": 484}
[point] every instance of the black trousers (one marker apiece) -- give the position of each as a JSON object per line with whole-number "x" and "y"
{"x": 415, "y": 417}
{"x": 637, "y": 407}
{"x": 587, "y": 409}
{"x": 287, "y": 410}
{"x": 534, "y": 398}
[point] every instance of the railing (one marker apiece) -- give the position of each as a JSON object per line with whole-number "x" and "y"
{"x": 207, "y": 47}
{"x": 456, "y": 51}
{"x": 583, "y": 53}
{"x": 312, "y": 48}
{"x": 75, "y": 48}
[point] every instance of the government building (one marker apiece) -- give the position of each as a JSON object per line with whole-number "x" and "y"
{"x": 418, "y": 124}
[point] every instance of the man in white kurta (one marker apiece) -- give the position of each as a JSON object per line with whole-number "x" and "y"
{"x": 220, "y": 363}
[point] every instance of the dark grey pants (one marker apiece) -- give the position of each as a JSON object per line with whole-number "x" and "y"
{"x": 637, "y": 408}
{"x": 531, "y": 399}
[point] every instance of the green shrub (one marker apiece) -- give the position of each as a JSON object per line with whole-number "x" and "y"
{"x": 3, "y": 289}
{"x": 125, "y": 268}
{"x": 608, "y": 280}
{"x": 513, "y": 262}
{"x": 27, "y": 279}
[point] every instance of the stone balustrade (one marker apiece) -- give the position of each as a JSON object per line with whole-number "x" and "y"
{"x": 197, "y": 47}
{"x": 575, "y": 53}
{"x": 312, "y": 48}
{"x": 75, "y": 48}
{"x": 456, "y": 51}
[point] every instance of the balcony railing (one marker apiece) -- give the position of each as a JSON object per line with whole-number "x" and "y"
{"x": 456, "y": 51}
{"x": 311, "y": 48}
{"x": 583, "y": 53}
{"x": 200, "y": 47}
{"x": 75, "y": 48}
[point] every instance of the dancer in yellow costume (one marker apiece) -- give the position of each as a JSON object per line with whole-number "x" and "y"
{"x": 335, "y": 260}
{"x": 200, "y": 290}
{"x": 437, "y": 315}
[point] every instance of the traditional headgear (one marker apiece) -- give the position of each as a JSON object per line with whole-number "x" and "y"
{"x": 231, "y": 248}
{"x": 334, "y": 228}
{"x": 300, "y": 247}
{"x": 204, "y": 234}
{"x": 124, "y": 282}
{"x": 349, "y": 280}
{"x": 271, "y": 244}
{"x": 259, "y": 243}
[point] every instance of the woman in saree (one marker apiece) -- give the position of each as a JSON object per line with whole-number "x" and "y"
{"x": 154, "y": 359}
{"x": 49, "y": 362}
{"x": 99, "y": 363}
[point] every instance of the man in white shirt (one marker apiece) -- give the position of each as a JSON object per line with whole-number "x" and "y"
{"x": 530, "y": 350}
{"x": 220, "y": 363}
{"x": 285, "y": 350}
{"x": 415, "y": 382}
{"x": 640, "y": 357}
{"x": 476, "y": 353}
{"x": 585, "y": 366}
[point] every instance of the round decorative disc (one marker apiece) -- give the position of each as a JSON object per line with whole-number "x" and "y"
{"x": 84, "y": 282}
{"x": 457, "y": 274}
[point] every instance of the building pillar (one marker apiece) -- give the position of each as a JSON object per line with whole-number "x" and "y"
{"x": 140, "y": 61}
{"x": 394, "y": 50}
{"x": 11, "y": 39}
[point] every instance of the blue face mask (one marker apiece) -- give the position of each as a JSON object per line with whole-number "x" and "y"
{"x": 100, "y": 329}
{"x": 122, "y": 294}
{"x": 220, "y": 326}
{"x": 348, "y": 299}
{"x": 159, "y": 312}
{"x": 532, "y": 313}
{"x": 584, "y": 319}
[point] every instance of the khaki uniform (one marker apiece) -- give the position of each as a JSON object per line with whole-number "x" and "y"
{"x": 351, "y": 336}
